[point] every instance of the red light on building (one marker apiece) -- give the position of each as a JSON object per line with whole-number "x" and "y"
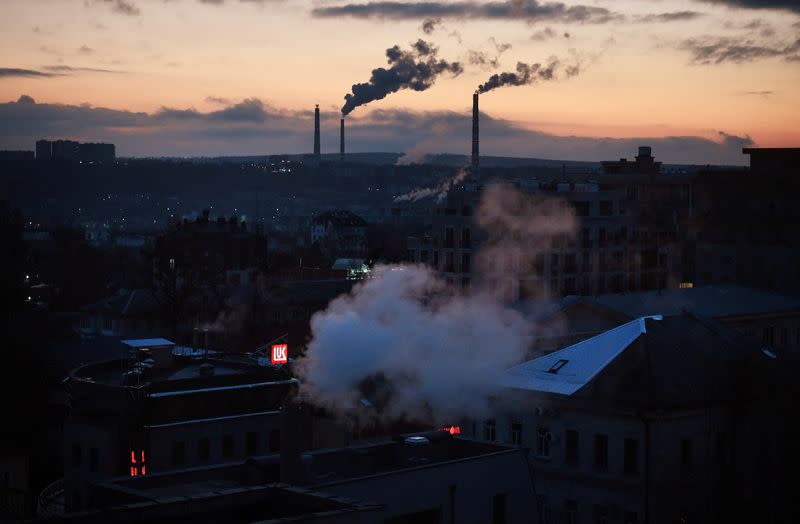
{"x": 453, "y": 430}
{"x": 280, "y": 354}
{"x": 135, "y": 471}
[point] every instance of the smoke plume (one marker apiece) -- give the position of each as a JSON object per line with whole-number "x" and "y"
{"x": 415, "y": 69}
{"x": 521, "y": 228}
{"x": 524, "y": 75}
{"x": 412, "y": 347}
{"x": 440, "y": 190}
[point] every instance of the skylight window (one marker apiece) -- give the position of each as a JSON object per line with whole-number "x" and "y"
{"x": 555, "y": 368}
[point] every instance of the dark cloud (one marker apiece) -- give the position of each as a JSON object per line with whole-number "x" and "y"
{"x": 85, "y": 50}
{"x": 218, "y": 100}
{"x": 416, "y": 69}
{"x": 530, "y": 10}
{"x": 11, "y": 72}
{"x": 759, "y": 93}
{"x": 68, "y": 70}
{"x": 718, "y": 50}
{"x": 254, "y": 127}
{"x": 429, "y": 25}
{"x": 676, "y": 16}
{"x": 787, "y": 5}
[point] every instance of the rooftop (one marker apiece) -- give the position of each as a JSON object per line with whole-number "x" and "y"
{"x": 652, "y": 362}
{"x": 708, "y": 301}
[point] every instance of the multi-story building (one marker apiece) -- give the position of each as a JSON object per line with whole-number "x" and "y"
{"x": 430, "y": 477}
{"x": 652, "y": 421}
{"x": 158, "y": 409}
{"x": 77, "y": 151}
{"x": 611, "y": 251}
{"x": 339, "y": 233}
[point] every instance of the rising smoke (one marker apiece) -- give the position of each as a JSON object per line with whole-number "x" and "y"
{"x": 419, "y": 351}
{"x": 440, "y": 191}
{"x": 524, "y": 75}
{"x": 415, "y": 69}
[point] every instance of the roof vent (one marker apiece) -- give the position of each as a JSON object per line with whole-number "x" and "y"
{"x": 206, "y": 370}
{"x": 555, "y": 368}
{"x": 417, "y": 441}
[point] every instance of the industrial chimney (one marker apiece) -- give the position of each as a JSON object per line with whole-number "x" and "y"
{"x": 475, "y": 161}
{"x": 341, "y": 141}
{"x": 316, "y": 132}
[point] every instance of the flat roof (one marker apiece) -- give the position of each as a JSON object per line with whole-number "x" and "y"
{"x": 147, "y": 342}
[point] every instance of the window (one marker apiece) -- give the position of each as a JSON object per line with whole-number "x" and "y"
{"x": 631, "y": 456}
{"x": 178, "y": 453}
{"x": 227, "y": 446}
{"x": 516, "y": 433}
{"x": 448, "y": 237}
{"x": 251, "y": 443}
{"x": 686, "y": 454}
{"x": 784, "y": 337}
{"x": 571, "y": 450}
{"x": 275, "y": 440}
{"x": 489, "y": 430}
{"x": 571, "y": 511}
{"x": 466, "y": 238}
{"x": 600, "y": 514}
{"x": 631, "y": 517}
{"x": 94, "y": 459}
{"x": 499, "y": 509}
{"x": 606, "y": 208}
{"x": 203, "y": 449}
{"x": 555, "y": 368}
{"x": 543, "y": 438}
{"x": 601, "y": 452}
{"x": 465, "y": 263}
{"x": 76, "y": 455}
{"x": 582, "y": 208}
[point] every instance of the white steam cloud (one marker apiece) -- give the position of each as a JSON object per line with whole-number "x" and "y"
{"x": 412, "y": 347}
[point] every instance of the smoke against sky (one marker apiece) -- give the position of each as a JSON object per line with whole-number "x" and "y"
{"x": 415, "y": 69}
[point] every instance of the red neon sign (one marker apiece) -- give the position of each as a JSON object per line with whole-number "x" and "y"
{"x": 453, "y": 430}
{"x": 135, "y": 470}
{"x": 280, "y": 354}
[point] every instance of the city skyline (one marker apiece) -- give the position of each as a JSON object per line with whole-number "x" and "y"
{"x": 698, "y": 80}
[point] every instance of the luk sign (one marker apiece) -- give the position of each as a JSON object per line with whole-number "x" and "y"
{"x": 280, "y": 353}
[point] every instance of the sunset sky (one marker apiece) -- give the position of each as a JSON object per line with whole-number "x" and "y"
{"x": 697, "y": 79}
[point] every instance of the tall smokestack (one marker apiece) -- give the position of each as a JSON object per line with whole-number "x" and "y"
{"x": 475, "y": 161}
{"x": 316, "y": 132}
{"x": 341, "y": 140}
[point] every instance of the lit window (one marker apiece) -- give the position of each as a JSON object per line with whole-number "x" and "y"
{"x": 686, "y": 285}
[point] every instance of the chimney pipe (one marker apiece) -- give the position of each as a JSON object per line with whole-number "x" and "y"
{"x": 341, "y": 141}
{"x": 316, "y": 132}
{"x": 475, "y": 160}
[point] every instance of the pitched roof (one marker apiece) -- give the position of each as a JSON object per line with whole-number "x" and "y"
{"x": 567, "y": 370}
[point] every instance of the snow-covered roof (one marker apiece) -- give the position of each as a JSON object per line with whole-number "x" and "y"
{"x": 147, "y": 342}
{"x": 567, "y": 370}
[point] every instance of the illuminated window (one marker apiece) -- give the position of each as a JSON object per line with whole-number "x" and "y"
{"x": 686, "y": 285}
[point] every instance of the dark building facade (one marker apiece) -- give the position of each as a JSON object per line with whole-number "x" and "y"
{"x": 75, "y": 151}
